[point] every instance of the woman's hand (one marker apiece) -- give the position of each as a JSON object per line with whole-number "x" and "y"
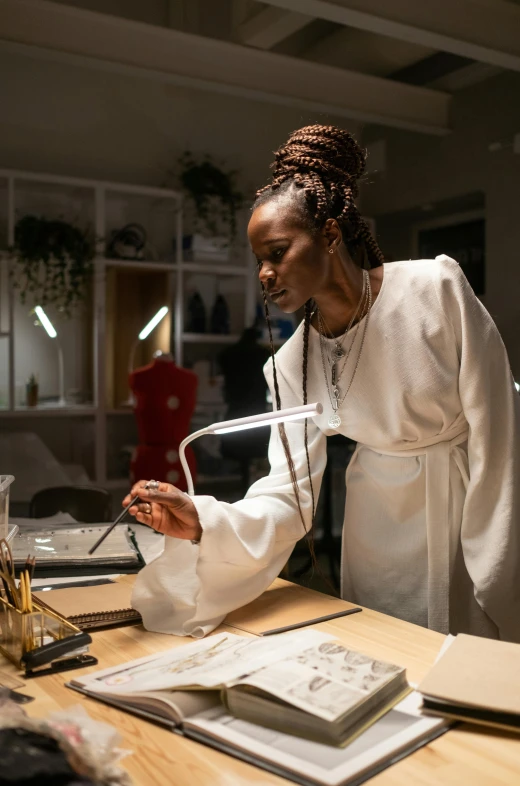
{"x": 166, "y": 509}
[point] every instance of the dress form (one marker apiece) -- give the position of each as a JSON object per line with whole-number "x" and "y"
{"x": 165, "y": 397}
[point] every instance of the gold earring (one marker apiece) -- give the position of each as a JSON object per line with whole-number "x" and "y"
{"x": 331, "y": 250}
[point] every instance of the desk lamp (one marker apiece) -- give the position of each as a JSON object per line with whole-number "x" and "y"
{"x": 224, "y": 427}
{"x": 240, "y": 424}
{"x": 51, "y": 332}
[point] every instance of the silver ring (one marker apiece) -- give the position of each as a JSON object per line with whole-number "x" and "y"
{"x": 152, "y": 485}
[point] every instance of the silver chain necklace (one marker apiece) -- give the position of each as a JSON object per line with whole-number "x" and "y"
{"x": 335, "y": 396}
{"x": 334, "y": 356}
{"x": 338, "y": 342}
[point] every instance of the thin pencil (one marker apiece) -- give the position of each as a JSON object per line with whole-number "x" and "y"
{"x": 29, "y": 592}
{"x": 22, "y": 593}
{"x": 107, "y": 532}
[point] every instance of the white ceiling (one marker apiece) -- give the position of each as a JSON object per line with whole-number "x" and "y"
{"x": 393, "y": 63}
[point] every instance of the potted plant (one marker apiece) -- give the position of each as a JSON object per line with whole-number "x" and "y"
{"x": 215, "y": 200}
{"x": 31, "y": 391}
{"x": 51, "y": 262}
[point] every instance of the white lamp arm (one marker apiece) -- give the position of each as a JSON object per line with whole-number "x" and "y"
{"x": 184, "y": 463}
{"x": 252, "y": 421}
{"x": 61, "y": 377}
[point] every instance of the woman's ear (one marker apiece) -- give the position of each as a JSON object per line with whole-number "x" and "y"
{"x": 331, "y": 234}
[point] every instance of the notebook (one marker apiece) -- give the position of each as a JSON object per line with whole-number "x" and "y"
{"x": 285, "y": 606}
{"x": 477, "y": 680}
{"x": 102, "y": 606}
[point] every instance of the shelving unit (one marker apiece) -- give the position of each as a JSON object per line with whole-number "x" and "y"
{"x": 107, "y": 206}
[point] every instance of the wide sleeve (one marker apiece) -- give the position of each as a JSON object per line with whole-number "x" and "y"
{"x": 490, "y": 531}
{"x": 188, "y": 590}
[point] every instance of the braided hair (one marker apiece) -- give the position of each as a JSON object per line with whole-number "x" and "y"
{"x": 317, "y": 172}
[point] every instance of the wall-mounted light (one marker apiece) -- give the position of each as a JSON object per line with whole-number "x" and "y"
{"x": 145, "y": 332}
{"x": 51, "y": 332}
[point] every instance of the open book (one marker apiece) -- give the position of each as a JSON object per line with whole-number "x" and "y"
{"x": 182, "y": 689}
{"x": 305, "y": 681}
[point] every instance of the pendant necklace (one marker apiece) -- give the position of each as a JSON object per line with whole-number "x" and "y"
{"x": 337, "y": 352}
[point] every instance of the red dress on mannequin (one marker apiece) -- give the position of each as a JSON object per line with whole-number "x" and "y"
{"x": 164, "y": 402}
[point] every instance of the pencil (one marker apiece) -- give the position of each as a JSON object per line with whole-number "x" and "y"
{"x": 28, "y": 589}
{"x": 107, "y": 532}
{"x": 22, "y": 593}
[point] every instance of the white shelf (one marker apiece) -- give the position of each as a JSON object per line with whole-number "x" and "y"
{"x": 119, "y": 188}
{"x": 140, "y": 264}
{"x": 49, "y": 411}
{"x": 211, "y": 268}
{"x": 107, "y": 206}
{"x": 210, "y": 338}
{"x": 215, "y": 268}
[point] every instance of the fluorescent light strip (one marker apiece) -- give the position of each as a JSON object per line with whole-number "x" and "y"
{"x": 265, "y": 418}
{"x": 153, "y": 322}
{"x": 44, "y": 319}
{"x": 244, "y": 426}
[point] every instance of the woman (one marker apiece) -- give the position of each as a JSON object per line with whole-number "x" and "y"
{"x": 407, "y": 363}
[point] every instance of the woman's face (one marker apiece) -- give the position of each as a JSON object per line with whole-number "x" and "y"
{"x": 293, "y": 264}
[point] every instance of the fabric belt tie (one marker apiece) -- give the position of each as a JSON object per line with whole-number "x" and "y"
{"x": 437, "y": 517}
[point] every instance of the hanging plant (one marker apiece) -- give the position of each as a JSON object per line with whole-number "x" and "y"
{"x": 213, "y": 193}
{"x": 51, "y": 263}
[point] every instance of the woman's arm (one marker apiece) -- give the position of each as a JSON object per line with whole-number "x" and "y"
{"x": 189, "y": 589}
{"x": 491, "y": 517}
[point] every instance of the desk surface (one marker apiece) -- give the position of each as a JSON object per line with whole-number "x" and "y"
{"x": 464, "y": 756}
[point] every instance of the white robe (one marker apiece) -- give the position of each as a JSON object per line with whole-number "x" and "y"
{"x": 432, "y": 515}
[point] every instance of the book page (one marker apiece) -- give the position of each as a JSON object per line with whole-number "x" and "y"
{"x": 399, "y": 730}
{"x": 327, "y": 680}
{"x": 207, "y": 663}
{"x": 174, "y": 705}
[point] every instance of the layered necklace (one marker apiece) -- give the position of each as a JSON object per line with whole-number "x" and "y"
{"x": 332, "y": 355}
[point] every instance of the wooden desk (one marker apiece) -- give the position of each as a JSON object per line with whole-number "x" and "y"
{"x": 465, "y": 756}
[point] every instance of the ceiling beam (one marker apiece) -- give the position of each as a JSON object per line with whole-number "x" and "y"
{"x": 483, "y": 30}
{"x": 465, "y": 77}
{"x": 270, "y": 26}
{"x": 71, "y": 35}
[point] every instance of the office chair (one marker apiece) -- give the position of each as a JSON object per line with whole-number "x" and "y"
{"x": 88, "y": 504}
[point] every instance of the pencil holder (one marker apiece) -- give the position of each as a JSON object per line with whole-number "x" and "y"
{"x": 24, "y": 632}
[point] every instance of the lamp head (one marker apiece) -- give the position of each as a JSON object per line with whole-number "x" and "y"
{"x": 45, "y": 321}
{"x": 145, "y": 332}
